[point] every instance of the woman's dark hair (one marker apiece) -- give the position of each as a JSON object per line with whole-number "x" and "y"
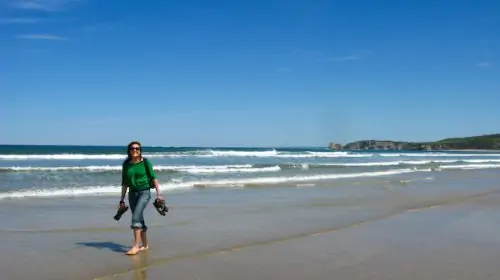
{"x": 128, "y": 149}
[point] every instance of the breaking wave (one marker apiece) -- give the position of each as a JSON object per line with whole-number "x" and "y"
{"x": 233, "y": 153}
{"x": 244, "y": 182}
{"x": 255, "y": 168}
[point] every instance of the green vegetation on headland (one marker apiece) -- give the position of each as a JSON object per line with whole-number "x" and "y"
{"x": 482, "y": 142}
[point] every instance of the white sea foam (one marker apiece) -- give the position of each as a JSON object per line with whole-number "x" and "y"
{"x": 270, "y": 153}
{"x": 438, "y": 155}
{"x": 471, "y": 166}
{"x": 326, "y": 155}
{"x": 230, "y": 153}
{"x": 61, "y": 157}
{"x": 104, "y": 190}
{"x": 246, "y": 168}
{"x": 241, "y": 182}
{"x": 201, "y": 154}
{"x": 226, "y": 169}
{"x": 274, "y": 153}
{"x": 411, "y": 162}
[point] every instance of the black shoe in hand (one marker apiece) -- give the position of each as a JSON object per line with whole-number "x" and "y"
{"x": 160, "y": 206}
{"x": 121, "y": 210}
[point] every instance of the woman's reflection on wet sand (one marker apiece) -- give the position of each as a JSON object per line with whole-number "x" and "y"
{"x": 140, "y": 261}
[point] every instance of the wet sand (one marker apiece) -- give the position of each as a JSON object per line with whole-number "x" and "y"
{"x": 452, "y": 242}
{"x": 439, "y": 227}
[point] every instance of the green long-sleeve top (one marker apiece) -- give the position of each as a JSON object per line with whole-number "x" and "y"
{"x": 134, "y": 175}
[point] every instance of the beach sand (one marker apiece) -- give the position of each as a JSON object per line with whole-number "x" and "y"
{"x": 454, "y": 242}
{"x": 442, "y": 227}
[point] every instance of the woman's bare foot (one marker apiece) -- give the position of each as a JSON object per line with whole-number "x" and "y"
{"x": 134, "y": 250}
{"x": 144, "y": 248}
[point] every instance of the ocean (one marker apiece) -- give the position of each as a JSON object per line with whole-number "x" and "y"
{"x": 68, "y": 171}
{"x": 57, "y": 205}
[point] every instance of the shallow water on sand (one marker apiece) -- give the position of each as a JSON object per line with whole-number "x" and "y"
{"x": 80, "y": 232}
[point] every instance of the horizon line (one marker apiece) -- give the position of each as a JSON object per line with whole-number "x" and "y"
{"x": 160, "y": 146}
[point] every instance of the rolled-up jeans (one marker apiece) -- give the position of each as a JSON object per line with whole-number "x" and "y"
{"x": 138, "y": 201}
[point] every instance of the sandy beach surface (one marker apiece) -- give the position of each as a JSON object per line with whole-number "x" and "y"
{"x": 438, "y": 226}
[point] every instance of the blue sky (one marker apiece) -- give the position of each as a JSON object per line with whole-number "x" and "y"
{"x": 247, "y": 73}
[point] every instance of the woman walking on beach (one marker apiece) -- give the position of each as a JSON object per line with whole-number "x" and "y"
{"x": 135, "y": 178}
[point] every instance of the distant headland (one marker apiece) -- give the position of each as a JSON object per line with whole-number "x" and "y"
{"x": 481, "y": 142}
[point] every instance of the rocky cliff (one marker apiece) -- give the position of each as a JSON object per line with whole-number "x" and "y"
{"x": 334, "y": 146}
{"x": 482, "y": 142}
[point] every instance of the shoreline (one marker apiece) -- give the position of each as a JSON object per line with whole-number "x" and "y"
{"x": 241, "y": 224}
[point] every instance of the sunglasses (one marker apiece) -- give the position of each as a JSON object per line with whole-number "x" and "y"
{"x": 135, "y": 148}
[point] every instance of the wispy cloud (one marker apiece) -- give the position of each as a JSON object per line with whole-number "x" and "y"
{"x": 355, "y": 56}
{"x": 19, "y": 20}
{"x": 320, "y": 56}
{"x": 344, "y": 58}
{"x": 32, "y": 20}
{"x": 484, "y": 64}
{"x": 44, "y": 5}
{"x": 43, "y": 37}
